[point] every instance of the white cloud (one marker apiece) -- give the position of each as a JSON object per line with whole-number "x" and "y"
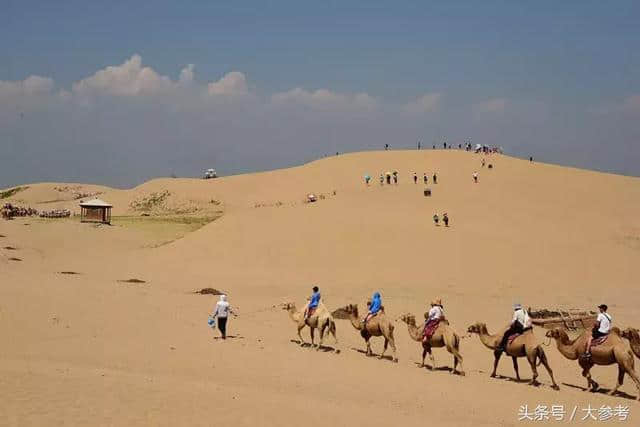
{"x": 32, "y": 85}
{"x": 187, "y": 75}
{"x": 233, "y": 83}
{"x": 427, "y": 103}
{"x": 128, "y": 79}
{"x": 493, "y": 105}
{"x": 325, "y": 99}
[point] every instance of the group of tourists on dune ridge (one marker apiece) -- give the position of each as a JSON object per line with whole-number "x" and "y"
{"x": 604, "y": 344}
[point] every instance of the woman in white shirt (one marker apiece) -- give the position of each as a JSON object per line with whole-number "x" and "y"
{"x": 435, "y": 315}
{"x": 601, "y": 328}
{"x": 222, "y": 311}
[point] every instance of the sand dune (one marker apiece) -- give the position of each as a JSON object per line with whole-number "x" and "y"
{"x": 90, "y": 349}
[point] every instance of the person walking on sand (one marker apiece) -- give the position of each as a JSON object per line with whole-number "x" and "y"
{"x": 475, "y": 177}
{"x": 381, "y": 179}
{"x": 445, "y": 219}
{"x": 415, "y": 178}
{"x": 424, "y": 177}
{"x": 222, "y": 312}
{"x": 436, "y": 218}
{"x": 395, "y": 177}
{"x": 435, "y": 178}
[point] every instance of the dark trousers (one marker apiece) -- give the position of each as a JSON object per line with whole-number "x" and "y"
{"x": 222, "y": 325}
{"x": 516, "y": 328}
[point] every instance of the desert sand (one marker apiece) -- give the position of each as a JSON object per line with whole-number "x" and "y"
{"x": 92, "y": 349}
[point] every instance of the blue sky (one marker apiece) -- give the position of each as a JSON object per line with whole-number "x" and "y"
{"x": 561, "y": 78}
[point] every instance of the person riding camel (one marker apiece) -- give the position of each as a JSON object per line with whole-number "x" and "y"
{"x": 520, "y": 323}
{"x": 434, "y": 317}
{"x": 314, "y": 301}
{"x": 374, "y": 307}
{"x": 601, "y": 328}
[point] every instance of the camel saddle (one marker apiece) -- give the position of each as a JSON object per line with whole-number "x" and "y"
{"x": 597, "y": 341}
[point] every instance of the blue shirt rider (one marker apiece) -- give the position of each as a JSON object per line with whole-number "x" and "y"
{"x": 375, "y": 307}
{"x": 314, "y": 301}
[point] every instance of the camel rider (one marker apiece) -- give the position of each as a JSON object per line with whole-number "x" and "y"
{"x": 520, "y": 323}
{"x": 374, "y": 307}
{"x": 314, "y": 301}
{"x": 435, "y": 315}
{"x": 600, "y": 329}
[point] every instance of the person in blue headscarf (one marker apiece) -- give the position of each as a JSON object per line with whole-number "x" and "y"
{"x": 374, "y": 307}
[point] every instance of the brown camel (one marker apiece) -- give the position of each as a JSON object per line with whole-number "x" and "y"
{"x": 377, "y": 326}
{"x": 321, "y": 319}
{"x": 444, "y": 336}
{"x": 524, "y": 345}
{"x": 613, "y": 350}
{"x": 634, "y": 339}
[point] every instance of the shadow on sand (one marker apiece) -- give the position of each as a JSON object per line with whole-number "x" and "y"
{"x": 324, "y": 348}
{"x": 230, "y": 337}
{"x": 602, "y": 390}
{"x": 438, "y": 369}
{"x": 511, "y": 379}
{"x": 385, "y": 357}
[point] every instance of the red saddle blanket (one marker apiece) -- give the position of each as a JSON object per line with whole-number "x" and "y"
{"x": 512, "y": 337}
{"x": 597, "y": 341}
{"x": 430, "y": 329}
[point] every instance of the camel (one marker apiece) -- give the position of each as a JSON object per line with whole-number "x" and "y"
{"x": 321, "y": 320}
{"x": 524, "y": 345}
{"x": 633, "y": 336}
{"x": 444, "y": 336}
{"x": 613, "y": 350}
{"x": 377, "y": 326}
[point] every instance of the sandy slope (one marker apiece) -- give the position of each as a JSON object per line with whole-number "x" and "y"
{"x": 89, "y": 350}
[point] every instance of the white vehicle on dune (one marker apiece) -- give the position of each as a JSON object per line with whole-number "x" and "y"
{"x": 210, "y": 173}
